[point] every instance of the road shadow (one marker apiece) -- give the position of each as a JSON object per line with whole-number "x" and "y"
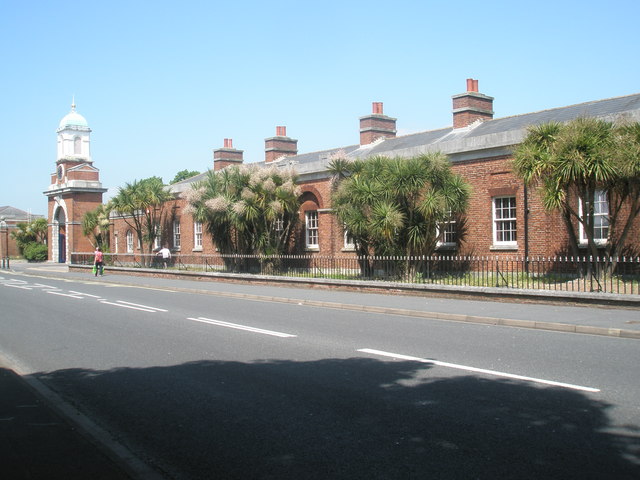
{"x": 353, "y": 418}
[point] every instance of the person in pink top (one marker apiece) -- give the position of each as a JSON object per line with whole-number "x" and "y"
{"x": 98, "y": 262}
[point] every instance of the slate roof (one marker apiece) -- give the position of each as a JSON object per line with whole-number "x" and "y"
{"x": 183, "y": 185}
{"x": 478, "y": 140}
{"x": 16, "y": 215}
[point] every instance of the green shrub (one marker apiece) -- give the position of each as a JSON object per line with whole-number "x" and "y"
{"x": 35, "y": 252}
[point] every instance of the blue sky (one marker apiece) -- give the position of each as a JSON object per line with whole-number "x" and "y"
{"x": 161, "y": 83}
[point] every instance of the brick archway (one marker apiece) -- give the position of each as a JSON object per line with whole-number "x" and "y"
{"x": 59, "y": 233}
{"x": 311, "y": 193}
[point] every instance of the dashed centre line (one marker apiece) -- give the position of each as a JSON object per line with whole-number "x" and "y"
{"x": 134, "y": 306}
{"x": 43, "y": 286}
{"x": 72, "y": 295}
{"x": 85, "y": 294}
{"x": 479, "y": 370}
{"x": 143, "y": 306}
{"x": 14, "y": 283}
{"x": 236, "y": 326}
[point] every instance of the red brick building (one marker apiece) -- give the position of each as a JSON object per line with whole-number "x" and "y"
{"x": 504, "y": 217}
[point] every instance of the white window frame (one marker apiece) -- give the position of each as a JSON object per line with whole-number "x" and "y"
{"x": 157, "y": 237}
{"x": 129, "y": 237}
{"x": 599, "y": 216}
{"x": 446, "y": 230}
{"x": 197, "y": 235}
{"x": 176, "y": 234}
{"x": 500, "y": 221}
{"x": 312, "y": 236}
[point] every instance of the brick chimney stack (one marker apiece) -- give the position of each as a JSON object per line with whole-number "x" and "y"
{"x": 279, "y": 146}
{"x": 227, "y": 155}
{"x": 376, "y": 125}
{"x": 471, "y": 106}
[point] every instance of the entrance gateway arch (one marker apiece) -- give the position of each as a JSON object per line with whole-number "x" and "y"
{"x": 59, "y": 236}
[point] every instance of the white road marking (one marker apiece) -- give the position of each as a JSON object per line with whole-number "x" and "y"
{"x": 143, "y": 306}
{"x": 479, "y": 370}
{"x": 10, "y": 282}
{"x": 85, "y": 294}
{"x": 242, "y": 327}
{"x": 17, "y": 286}
{"x": 63, "y": 294}
{"x": 127, "y": 306}
{"x": 134, "y": 306}
{"x": 42, "y": 285}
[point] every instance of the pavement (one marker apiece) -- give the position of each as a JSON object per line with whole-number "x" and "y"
{"x": 41, "y": 437}
{"x": 38, "y": 442}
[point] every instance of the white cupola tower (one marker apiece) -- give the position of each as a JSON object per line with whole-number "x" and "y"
{"x": 75, "y": 189}
{"x": 74, "y": 137}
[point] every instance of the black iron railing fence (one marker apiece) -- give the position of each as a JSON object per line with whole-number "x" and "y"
{"x": 581, "y": 274}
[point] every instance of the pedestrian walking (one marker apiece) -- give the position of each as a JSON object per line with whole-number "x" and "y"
{"x": 98, "y": 262}
{"x": 166, "y": 255}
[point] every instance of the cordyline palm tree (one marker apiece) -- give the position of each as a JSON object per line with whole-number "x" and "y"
{"x": 95, "y": 226}
{"x": 248, "y": 209}
{"x": 143, "y": 205}
{"x": 395, "y": 206}
{"x": 572, "y": 162}
{"x": 626, "y": 190}
{"x": 33, "y": 232}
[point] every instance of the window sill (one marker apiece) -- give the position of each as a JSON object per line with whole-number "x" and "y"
{"x": 599, "y": 244}
{"x": 348, "y": 249}
{"x": 312, "y": 249}
{"x": 197, "y": 249}
{"x": 498, "y": 248}
{"x": 446, "y": 246}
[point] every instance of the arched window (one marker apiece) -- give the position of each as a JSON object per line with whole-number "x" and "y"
{"x": 77, "y": 146}
{"x": 310, "y": 205}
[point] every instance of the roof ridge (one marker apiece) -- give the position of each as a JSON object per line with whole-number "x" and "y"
{"x": 355, "y": 145}
{"x": 590, "y": 102}
{"x": 423, "y": 132}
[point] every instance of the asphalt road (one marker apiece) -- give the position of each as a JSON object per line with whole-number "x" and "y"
{"x": 217, "y": 387}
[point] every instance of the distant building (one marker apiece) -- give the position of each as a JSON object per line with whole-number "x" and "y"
{"x": 12, "y": 217}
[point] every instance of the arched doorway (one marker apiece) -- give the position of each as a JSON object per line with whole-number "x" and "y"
{"x": 60, "y": 234}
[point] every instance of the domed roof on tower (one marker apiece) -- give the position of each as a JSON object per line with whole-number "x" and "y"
{"x": 73, "y": 119}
